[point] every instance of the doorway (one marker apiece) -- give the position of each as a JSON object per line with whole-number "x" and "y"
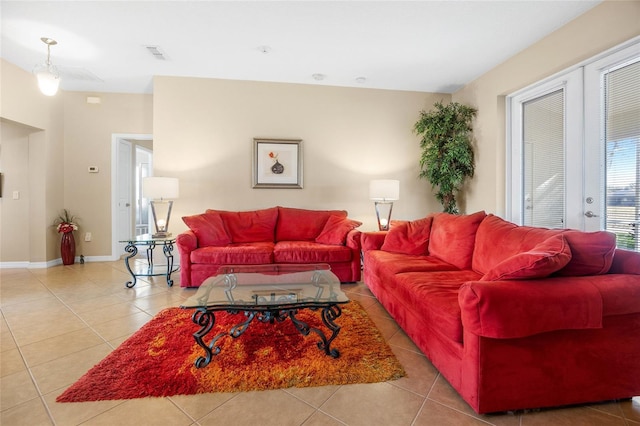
{"x": 132, "y": 159}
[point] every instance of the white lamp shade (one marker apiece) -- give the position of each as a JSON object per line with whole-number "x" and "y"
{"x": 160, "y": 188}
{"x": 48, "y": 80}
{"x": 384, "y": 190}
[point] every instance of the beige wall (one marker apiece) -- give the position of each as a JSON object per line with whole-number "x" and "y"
{"x": 204, "y": 130}
{"x": 50, "y": 143}
{"x": 88, "y": 134}
{"x": 603, "y": 27}
{"x": 30, "y": 160}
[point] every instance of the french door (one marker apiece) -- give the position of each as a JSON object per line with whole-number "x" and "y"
{"x": 545, "y": 188}
{"x": 612, "y": 137}
{"x": 574, "y": 149}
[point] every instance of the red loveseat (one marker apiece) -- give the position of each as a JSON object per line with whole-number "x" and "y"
{"x": 273, "y": 235}
{"x": 513, "y": 317}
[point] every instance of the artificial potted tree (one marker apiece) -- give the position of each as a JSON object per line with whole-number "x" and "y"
{"x": 447, "y": 155}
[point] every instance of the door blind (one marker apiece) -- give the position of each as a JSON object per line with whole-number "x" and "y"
{"x": 622, "y": 143}
{"x": 544, "y": 172}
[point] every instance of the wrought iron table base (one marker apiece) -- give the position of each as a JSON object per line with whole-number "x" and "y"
{"x": 205, "y": 318}
{"x": 132, "y": 249}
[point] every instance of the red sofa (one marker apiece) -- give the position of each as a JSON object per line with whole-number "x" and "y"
{"x": 273, "y": 235}
{"x": 513, "y": 317}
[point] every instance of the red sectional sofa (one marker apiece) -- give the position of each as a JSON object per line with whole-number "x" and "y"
{"x": 513, "y": 317}
{"x": 274, "y": 235}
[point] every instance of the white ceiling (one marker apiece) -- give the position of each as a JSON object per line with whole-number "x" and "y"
{"x": 429, "y": 46}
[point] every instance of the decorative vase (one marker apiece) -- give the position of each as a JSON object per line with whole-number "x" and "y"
{"x": 68, "y": 248}
{"x": 277, "y": 168}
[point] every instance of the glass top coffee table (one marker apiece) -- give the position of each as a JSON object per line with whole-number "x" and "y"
{"x": 267, "y": 293}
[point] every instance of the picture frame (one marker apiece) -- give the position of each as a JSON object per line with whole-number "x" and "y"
{"x": 277, "y": 163}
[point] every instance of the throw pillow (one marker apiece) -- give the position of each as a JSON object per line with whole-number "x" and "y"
{"x": 541, "y": 261}
{"x": 209, "y": 229}
{"x": 409, "y": 237}
{"x": 336, "y": 229}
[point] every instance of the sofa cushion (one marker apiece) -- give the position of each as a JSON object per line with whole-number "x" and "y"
{"x": 250, "y": 226}
{"x": 541, "y": 261}
{"x": 310, "y": 252}
{"x": 235, "y": 254}
{"x": 498, "y": 240}
{"x": 209, "y": 229}
{"x": 336, "y": 229}
{"x": 453, "y": 237}
{"x": 387, "y": 264}
{"x": 409, "y": 237}
{"x": 434, "y": 296}
{"x": 301, "y": 224}
{"x": 591, "y": 252}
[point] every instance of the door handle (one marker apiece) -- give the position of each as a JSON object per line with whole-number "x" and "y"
{"x": 589, "y": 213}
{"x": 127, "y": 205}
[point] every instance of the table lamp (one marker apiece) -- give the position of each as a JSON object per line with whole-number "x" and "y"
{"x": 159, "y": 191}
{"x": 384, "y": 192}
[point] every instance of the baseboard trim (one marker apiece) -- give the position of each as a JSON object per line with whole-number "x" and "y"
{"x": 55, "y": 262}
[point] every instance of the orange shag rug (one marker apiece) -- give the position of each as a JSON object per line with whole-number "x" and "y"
{"x": 158, "y": 360}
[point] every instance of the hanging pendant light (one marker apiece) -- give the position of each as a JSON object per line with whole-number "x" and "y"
{"x": 47, "y": 74}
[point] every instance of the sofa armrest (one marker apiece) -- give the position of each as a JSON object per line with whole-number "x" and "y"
{"x": 513, "y": 309}
{"x": 353, "y": 239}
{"x": 187, "y": 241}
{"x": 373, "y": 240}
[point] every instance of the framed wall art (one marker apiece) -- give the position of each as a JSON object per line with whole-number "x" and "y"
{"x": 277, "y": 163}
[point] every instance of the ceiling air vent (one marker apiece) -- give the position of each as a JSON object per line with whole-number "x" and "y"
{"x": 156, "y": 52}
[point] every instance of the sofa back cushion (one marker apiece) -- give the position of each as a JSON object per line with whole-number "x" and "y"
{"x": 409, "y": 237}
{"x": 498, "y": 240}
{"x": 250, "y": 226}
{"x": 591, "y": 252}
{"x": 209, "y": 229}
{"x": 625, "y": 262}
{"x": 301, "y": 224}
{"x": 453, "y": 237}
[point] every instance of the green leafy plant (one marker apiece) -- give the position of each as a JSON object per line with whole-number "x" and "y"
{"x": 447, "y": 155}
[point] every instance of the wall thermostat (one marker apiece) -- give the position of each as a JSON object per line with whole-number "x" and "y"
{"x": 93, "y": 169}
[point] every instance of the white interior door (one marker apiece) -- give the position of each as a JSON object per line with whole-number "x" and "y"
{"x": 124, "y": 187}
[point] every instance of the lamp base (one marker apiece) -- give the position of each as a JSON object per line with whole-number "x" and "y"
{"x": 383, "y": 214}
{"x": 160, "y": 224}
{"x": 161, "y": 235}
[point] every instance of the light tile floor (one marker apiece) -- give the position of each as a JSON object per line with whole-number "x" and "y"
{"x": 59, "y": 322}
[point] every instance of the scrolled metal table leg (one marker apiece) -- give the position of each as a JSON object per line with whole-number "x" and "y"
{"x": 167, "y": 249}
{"x": 132, "y": 249}
{"x": 205, "y": 319}
{"x": 329, "y": 314}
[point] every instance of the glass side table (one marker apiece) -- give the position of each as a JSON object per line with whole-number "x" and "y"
{"x": 147, "y": 270}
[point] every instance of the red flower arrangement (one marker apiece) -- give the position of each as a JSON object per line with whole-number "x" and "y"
{"x": 65, "y": 223}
